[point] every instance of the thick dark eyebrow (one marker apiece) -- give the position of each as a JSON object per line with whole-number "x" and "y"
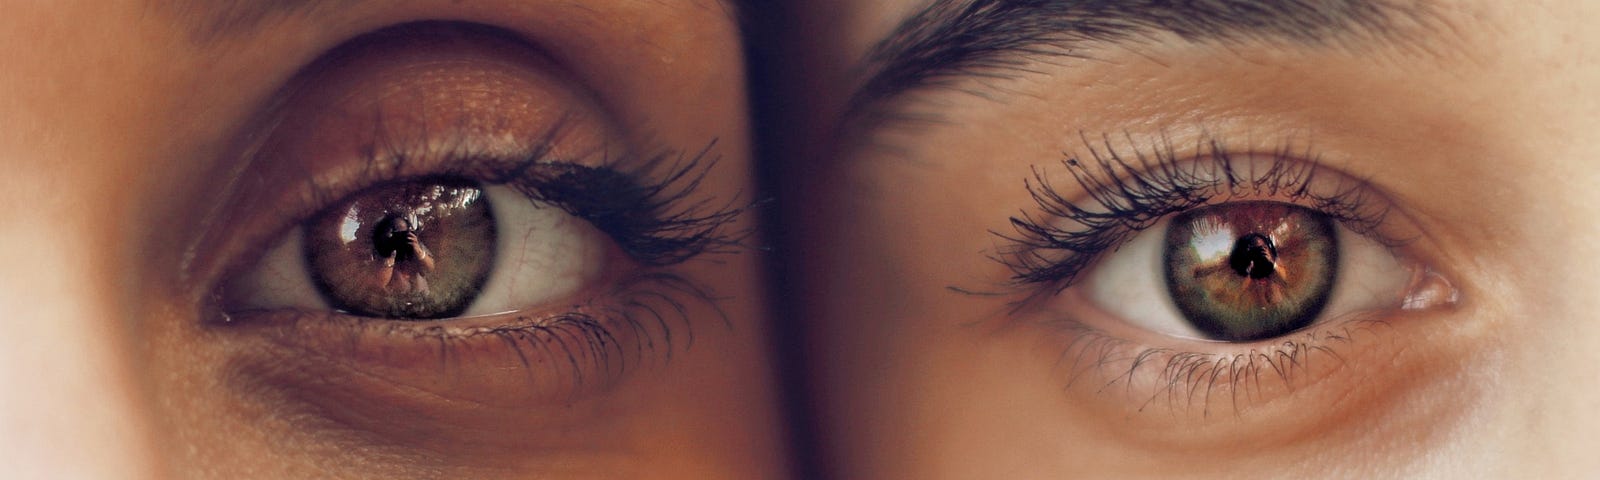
{"x": 953, "y": 40}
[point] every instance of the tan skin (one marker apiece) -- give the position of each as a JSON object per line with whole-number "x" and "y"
{"x": 1480, "y": 131}
{"x": 127, "y": 126}
{"x": 1481, "y": 134}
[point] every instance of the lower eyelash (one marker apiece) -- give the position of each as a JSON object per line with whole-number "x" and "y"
{"x": 1127, "y": 191}
{"x": 644, "y": 319}
{"x": 645, "y": 205}
{"x": 1180, "y": 380}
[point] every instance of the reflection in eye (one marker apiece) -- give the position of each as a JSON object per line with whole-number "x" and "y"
{"x": 459, "y": 206}
{"x": 1245, "y": 271}
{"x": 1243, "y": 266}
{"x": 428, "y": 250}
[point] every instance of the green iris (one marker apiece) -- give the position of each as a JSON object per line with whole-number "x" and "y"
{"x": 1247, "y": 271}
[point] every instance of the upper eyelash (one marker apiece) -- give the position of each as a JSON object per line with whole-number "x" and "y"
{"x": 1128, "y": 193}
{"x": 645, "y": 205}
{"x": 637, "y": 201}
{"x": 648, "y": 220}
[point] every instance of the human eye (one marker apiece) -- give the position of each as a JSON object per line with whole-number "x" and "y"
{"x": 560, "y": 270}
{"x": 1217, "y": 277}
{"x": 440, "y": 242}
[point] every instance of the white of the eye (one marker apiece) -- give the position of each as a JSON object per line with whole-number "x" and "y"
{"x": 1130, "y": 283}
{"x": 545, "y": 254}
{"x": 280, "y": 279}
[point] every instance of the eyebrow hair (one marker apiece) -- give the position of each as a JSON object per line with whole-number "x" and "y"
{"x": 951, "y": 40}
{"x": 210, "y": 20}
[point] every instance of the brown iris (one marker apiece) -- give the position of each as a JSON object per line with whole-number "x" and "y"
{"x": 417, "y": 250}
{"x": 1247, "y": 271}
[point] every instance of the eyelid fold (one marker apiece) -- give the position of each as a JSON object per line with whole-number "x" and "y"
{"x": 1125, "y": 193}
{"x": 432, "y": 101}
{"x": 1136, "y": 369}
{"x": 393, "y": 105}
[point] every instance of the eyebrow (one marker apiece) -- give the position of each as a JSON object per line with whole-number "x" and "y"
{"x": 953, "y": 40}
{"x": 211, "y": 20}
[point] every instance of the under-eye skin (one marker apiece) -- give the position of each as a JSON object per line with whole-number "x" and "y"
{"x": 436, "y": 248}
{"x": 1175, "y": 277}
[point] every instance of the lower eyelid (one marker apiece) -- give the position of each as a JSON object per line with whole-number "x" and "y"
{"x": 1184, "y": 375}
{"x": 474, "y": 372}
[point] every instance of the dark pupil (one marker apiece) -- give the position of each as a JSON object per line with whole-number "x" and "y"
{"x": 1233, "y": 283}
{"x": 415, "y": 250}
{"x": 1253, "y": 256}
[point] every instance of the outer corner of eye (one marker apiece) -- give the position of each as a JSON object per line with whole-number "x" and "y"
{"x": 1246, "y": 271}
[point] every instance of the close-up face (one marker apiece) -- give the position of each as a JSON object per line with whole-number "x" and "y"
{"x": 1220, "y": 239}
{"x": 362, "y": 239}
{"x": 854, "y": 239}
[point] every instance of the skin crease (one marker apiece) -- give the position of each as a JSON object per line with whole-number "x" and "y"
{"x": 118, "y": 123}
{"x": 1479, "y": 132}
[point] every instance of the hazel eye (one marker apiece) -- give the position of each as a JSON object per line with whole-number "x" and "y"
{"x": 1245, "y": 271}
{"x": 422, "y": 250}
{"x": 416, "y": 250}
{"x": 1250, "y": 270}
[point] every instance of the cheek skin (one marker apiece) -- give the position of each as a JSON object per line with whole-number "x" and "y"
{"x": 110, "y": 353}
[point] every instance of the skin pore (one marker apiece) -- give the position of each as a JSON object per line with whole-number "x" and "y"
{"x": 162, "y": 159}
{"x": 1448, "y": 138}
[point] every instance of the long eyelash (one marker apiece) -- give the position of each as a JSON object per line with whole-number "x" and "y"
{"x": 651, "y": 305}
{"x": 644, "y": 318}
{"x": 640, "y": 202}
{"x": 644, "y": 204}
{"x": 1184, "y": 380}
{"x": 1128, "y": 193}
{"x": 649, "y": 220}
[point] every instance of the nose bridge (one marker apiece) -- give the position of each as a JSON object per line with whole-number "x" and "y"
{"x": 70, "y": 405}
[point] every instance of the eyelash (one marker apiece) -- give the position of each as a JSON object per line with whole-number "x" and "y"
{"x": 1135, "y": 191}
{"x": 1130, "y": 192}
{"x": 641, "y": 203}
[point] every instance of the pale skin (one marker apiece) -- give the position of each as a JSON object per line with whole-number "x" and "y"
{"x": 123, "y": 122}
{"x": 1480, "y": 125}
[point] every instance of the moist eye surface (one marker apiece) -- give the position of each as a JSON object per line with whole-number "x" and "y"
{"x": 1248, "y": 271}
{"x": 415, "y": 250}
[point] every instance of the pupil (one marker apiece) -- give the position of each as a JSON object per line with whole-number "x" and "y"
{"x": 1253, "y": 256}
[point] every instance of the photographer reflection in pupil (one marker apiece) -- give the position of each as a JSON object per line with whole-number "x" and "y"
{"x": 406, "y": 261}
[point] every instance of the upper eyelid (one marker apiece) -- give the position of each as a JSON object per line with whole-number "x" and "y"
{"x": 565, "y": 133}
{"x": 1116, "y": 185}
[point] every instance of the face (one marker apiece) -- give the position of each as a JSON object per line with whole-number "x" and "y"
{"x": 1326, "y": 239}
{"x": 247, "y": 152}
